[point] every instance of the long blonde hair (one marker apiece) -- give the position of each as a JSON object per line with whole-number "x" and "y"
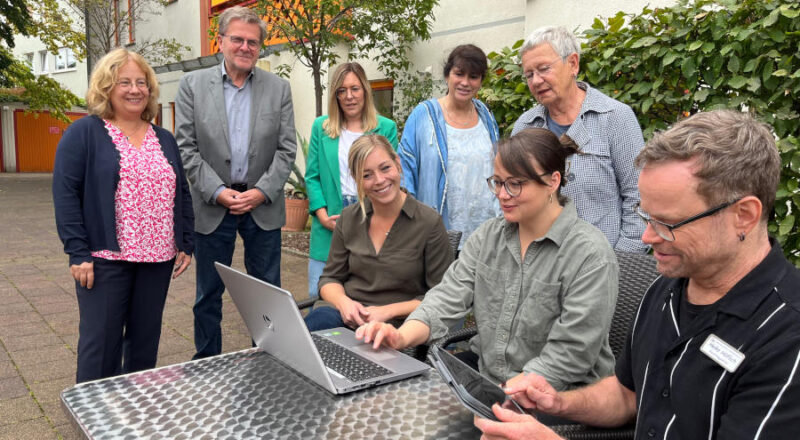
{"x": 369, "y": 116}
{"x": 104, "y": 78}
{"x": 359, "y": 151}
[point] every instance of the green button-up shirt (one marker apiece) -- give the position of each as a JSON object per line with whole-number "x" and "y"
{"x": 549, "y": 314}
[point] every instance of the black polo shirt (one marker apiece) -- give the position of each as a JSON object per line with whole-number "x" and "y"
{"x": 682, "y": 393}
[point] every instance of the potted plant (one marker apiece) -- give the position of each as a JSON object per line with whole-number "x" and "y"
{"x": 297, "y": 193}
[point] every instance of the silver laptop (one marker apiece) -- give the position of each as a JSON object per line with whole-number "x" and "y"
{"x": 275, "y": 324}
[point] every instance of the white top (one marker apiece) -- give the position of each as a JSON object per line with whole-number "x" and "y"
{"x": 469, "y": 163}
{"x": 346, "y": 139}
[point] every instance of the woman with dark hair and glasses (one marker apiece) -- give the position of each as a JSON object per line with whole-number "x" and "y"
{"x": 542, "y": 283}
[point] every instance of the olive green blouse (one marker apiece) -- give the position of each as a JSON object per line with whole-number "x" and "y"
{"x": 412, "y": 260}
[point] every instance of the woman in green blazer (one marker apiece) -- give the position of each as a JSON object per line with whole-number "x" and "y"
{"x": 351, "y": 113}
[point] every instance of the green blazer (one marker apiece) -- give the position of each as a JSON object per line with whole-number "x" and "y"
{"x": 322, "y": 179}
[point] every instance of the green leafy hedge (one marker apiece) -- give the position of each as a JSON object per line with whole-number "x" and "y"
{"x": 698, "y": 55}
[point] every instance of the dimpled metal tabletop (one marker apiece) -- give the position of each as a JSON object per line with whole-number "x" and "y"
{"x": 248, "y": 394}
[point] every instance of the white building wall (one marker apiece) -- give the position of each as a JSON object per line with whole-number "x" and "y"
{"x": 489, "y": 25}
{"x": 73, "y": 79}
{"x": 8, "y": 139}
{"x": 179, "y": 20}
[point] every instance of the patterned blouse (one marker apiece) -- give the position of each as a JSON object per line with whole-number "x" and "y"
{"x": 143, "y": 201}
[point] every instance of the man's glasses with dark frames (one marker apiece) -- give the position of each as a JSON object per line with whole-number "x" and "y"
{"x": 665, "y": 230}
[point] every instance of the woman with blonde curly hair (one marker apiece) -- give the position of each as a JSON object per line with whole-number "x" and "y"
{"x": 124, "y": 214}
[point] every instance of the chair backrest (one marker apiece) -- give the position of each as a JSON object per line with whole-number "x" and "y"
{"x": 455, "y": 239}
{"x": 636, "y": 273}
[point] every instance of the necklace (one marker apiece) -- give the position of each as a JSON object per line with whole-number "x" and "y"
{"x": 455, "y": 121}
{"x": 133, "y": 133}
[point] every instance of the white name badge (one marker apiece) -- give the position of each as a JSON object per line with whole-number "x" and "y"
{"x": 722, "y": 353}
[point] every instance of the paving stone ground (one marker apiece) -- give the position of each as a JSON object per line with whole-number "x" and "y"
{"x": 39, "y": 312}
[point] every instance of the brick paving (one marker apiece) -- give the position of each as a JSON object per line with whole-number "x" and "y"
{"x": 39, "y": 313}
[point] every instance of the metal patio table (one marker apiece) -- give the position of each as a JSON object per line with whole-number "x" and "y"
{"x": 249, "y": 394}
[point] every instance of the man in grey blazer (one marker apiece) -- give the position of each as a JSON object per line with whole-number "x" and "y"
{"x": 235, "y": 129}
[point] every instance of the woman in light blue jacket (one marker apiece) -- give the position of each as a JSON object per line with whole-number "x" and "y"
{"x": 446, "y": 147}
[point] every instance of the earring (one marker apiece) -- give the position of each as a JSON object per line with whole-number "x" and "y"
{"x": 550, "y": 200}
{"x": 741, "y": 236}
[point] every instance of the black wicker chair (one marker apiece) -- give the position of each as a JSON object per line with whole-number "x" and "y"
{"x": 419, "y": 352}
{"x": 636, "y": 273}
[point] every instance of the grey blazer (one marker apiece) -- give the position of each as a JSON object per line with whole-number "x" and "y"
{"x": 201, "y": 129}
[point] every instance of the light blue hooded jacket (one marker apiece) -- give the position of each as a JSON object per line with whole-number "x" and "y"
{"x": 423, "y": 152}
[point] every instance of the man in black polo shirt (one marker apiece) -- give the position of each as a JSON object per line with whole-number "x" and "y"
{"x": 714, "y": 349}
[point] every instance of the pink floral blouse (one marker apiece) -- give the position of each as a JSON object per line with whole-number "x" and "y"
{"x": 144, "y": 201}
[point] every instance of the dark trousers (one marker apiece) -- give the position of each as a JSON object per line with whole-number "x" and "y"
{"x": 323, "y": 318}
{"x": 262, "y": 259}
{"x": 120, "y": 318}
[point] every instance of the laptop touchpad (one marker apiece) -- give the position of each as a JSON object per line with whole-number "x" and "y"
{"x": 380, "y": 355}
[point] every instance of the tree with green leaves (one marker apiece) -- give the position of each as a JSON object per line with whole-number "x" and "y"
{"x": 669, "y": 63}
{"x": 383, "y": 29}
{"x": 45, "y": 20}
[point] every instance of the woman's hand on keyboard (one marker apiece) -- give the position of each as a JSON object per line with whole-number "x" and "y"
{"x": 378, "y": 333}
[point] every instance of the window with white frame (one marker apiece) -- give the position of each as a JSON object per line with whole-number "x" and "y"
{"x": 44, "y": 66}
{"x": 29, "y": 60}
{"x": 65, "y": 59}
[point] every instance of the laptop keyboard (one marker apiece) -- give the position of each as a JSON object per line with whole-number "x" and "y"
{"x": 343, "y": 361}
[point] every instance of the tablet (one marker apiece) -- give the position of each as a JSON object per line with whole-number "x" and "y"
{"x": 476, "y": 392}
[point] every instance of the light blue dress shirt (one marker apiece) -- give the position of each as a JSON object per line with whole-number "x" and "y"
{"x": 238, "y": 101}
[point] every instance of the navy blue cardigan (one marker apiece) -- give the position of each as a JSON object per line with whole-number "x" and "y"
{"x": 85, "y": 178}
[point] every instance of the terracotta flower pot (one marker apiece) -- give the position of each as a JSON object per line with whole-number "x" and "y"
{"x": 296, "y": 215}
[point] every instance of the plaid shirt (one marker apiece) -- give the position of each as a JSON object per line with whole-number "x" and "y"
{"x": 602, "y": 181}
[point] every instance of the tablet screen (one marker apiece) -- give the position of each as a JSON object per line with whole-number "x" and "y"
{"x": 473, "y": 383}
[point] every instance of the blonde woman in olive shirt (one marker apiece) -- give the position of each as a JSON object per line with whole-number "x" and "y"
{"x": 387, "y": 251}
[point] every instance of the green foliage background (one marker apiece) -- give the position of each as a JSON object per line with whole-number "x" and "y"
{"x": 45, "y": 20}
{"x": 698, "y": 55}
{"x": 413, "y": 89}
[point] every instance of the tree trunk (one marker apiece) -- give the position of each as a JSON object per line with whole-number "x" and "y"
{"x": 318, "y": 89}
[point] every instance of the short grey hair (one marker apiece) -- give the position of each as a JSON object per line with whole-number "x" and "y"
{"x": 563, "y": 42}
{"x": 736, "y": 156}
{"x": 246, "y": 15}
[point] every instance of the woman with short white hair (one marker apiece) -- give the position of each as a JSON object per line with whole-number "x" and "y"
{"x": 602, "y": 179}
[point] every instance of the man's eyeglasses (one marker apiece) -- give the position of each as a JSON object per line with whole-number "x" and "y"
{"x": 543, "y": 70}
{"x": 665, "y": 230}
{"x": 126, "y": 84}
{"x": 238, "y": 41}
{"x": 341, "y": 92}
